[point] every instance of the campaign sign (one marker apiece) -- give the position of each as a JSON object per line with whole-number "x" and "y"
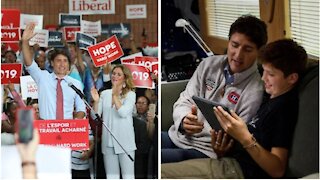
{"x": 105, "y": 51}
{"x": 91, "y": 28}
{"x": 69, "y": 19}
{"x": 26, "y": 19}
{"x": 10, "y": 35}
{"x": 154, "y": 68}
{"x": 130, "y": 59}
{"x": 145, "y": 61}
{"x": 127, "y": 61}
{"x": 70, "y": 33}
{"x": 120, "y": 30}
{"x": 84, "y": 40}
{"x": 136, "y": 11}
{"x": 10, "y": 72}
{"x": 91, "y": 6}
{"x": 29, "y": 87}
{"x": 10, "y": 18}
{"x": 69, "y": 133}
{"x": 55, "y": 39}
{"x": 141, "y": 75}
{"x": 41, "y": 38}
{"x": 14, "y": 46}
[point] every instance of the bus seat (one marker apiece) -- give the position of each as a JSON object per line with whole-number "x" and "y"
{"x": 170, "y": 93}
{"x": 304, "y": 155}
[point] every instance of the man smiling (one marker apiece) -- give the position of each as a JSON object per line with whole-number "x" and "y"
{"x": 56, "y": 99}
{"x": 232, "y": 79}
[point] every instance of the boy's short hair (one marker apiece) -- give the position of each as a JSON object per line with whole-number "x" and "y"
{"x": 254, "y": 28}
{"x": 285, "y": 55}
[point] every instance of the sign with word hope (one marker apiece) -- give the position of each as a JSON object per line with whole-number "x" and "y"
{"x": 91, "y": 6}
{"x": 136, "y": 11}
{"x": 145, "y": 61}
{"x": 41, "y": 38}
{"x": 10, "y": 18}
{"x": 69, "y": 19}
{"x": 70, "y": 33}
{"x": 84, "y": 40}
{"x": 10, "y": 72}
{"x": 105, "y": 51}
{"x": 10, "y": 35}
{"x": 29, "y": 87}
{"x": 73, "y": 134}
{"x": 30, "y": 18}
{"x": 141, "y": 75}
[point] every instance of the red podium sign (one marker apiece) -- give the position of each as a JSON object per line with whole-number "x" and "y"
{"x": 71, "y": 134}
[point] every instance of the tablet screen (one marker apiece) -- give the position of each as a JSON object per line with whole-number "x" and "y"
{"x": 206, "y": 108}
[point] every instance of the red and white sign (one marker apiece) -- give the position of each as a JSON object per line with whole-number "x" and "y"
{"x": 70, "y": 33}
{"x": 41, "y": 38}
{"x": 127, "y": 61}
{"x": 29, "y": 87}
{"x": 154, "y": 68}
{"x": 131, "y": 56}
{"x": 91, "y": 6}
{"x": 71, "y": 134}
{"x": 10, "y": 18}
{"x": 26, "y": 19}
{"x": 91, "y": 28}
{"x": 141, "y": 75}
{"x": 14, "y": 46}
{"x": 105, "y": 51}
{"x": 145, "y": 61}
{"x": 10, "y": 35}
{"x": 137, "y": 11}
{"x": 10, "y": 72}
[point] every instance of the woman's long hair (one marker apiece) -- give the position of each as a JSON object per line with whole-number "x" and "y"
{"x": 128, "y": 79}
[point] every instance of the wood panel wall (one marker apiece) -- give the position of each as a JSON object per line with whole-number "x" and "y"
{"x": 50, "y": 10}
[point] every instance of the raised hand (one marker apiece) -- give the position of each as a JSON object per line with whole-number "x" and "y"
{"x": 28, "y": 33}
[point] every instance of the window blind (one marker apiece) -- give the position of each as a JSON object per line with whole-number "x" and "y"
{"x": 304, "y": 22}
{"x": 222, "y": 13}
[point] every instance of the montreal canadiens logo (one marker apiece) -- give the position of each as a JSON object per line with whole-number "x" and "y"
{"x": 233, "y": 97}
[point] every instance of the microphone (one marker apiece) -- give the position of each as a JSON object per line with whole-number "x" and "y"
{"x": 76, "y": 90}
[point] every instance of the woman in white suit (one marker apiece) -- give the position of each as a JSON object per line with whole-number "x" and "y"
{"x": 116, "y": 106}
